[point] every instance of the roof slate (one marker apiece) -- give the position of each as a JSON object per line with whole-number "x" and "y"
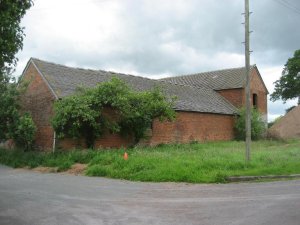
{"x": 65, "y": 80}
{"x": 217, "y": 80}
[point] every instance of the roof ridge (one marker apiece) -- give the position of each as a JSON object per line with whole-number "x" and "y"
{"x": 56, "y": 64}
{"x": 93, "y": 70}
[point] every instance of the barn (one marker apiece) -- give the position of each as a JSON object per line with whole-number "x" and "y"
{"x": 206, "y": 102}
{"x": 288, "y": 126}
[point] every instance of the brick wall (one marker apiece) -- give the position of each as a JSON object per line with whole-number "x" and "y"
{"x": 258, "y": 88}
{"x": 108, "y": 140}
{"x": 188, "y": 126}
{"x": 237, "y": 97}
{"x": 234, "y": 96}
{"x": 193, "y": 126}
{"x": 38, "y": 100}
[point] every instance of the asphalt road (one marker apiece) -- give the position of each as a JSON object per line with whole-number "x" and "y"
{"x": 34, "y": 198}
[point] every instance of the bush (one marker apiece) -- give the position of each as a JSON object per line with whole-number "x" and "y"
{"x": 24, "y": 132}
{"x": 82, "y": 115}
{"x": 257, "y": 125}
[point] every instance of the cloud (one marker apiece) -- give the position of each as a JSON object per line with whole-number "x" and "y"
{"x": 157, "y": 38}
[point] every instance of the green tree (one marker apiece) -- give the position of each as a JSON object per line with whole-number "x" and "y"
{"x": 257, "y": 125}
{"x": 8, "y": 110}
{"x": 76, "y": 116}
{"x": 288, "y": 86}
{"x": 11, "y": 38}
{"x": 83, "y": 114}
{"x": 143, "y": 108}
{"x": 11, "y": 33}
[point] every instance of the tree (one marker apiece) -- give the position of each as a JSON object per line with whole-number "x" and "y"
{"x": 11, "y": 33}
{"x": 288, "y": 86}
{"x": 11, "y": 38}
{"x": 77, "y": 116}
{"x": 143, "y": 108}
{"x": 8, "y": 110}
{"x": 83, "y": 114}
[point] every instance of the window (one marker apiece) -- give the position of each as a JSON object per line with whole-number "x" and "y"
{"x": 254, "y": 100}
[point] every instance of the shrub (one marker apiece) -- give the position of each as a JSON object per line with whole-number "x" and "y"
{"x": 81, "y": 115}
{"x": 24, "y": 132}
{"x": 257, "y": 125}
{"x": 74, "y": 117}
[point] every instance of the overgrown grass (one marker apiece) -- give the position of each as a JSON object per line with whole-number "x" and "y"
{"x": 195, "y": 163}
{"x": 61, "y": 160}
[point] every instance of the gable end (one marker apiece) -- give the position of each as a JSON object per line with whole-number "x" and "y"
{"x": 42, "y": 76}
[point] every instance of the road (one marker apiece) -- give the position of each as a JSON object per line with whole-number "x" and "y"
{"x": 34, "y": 198}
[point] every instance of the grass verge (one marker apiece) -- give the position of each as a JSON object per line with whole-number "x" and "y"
{"x": 194, "y": 163}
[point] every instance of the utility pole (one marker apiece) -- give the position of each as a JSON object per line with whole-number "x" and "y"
{"x": 248, "y": 97}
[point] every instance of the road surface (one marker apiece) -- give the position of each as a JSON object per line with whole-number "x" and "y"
{"x": 33, "y": 198}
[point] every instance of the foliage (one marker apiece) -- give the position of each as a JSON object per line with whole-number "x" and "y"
{"x": 8, "y": 110}
{"x": 12, "y": 124}
{"x": 84, "y": 114}
{"x": 11, "y": 37}
{"x": 32, "y": 159}
{"x": 24, "y": 132}
{"x": 143, "y": 108}
{"x": 194, "y": 163}
{"x": 257, "y": 125}
{"x": 11, "y": 33}
{"x": 288, "y": 86}
{"x": 75, "y": 117}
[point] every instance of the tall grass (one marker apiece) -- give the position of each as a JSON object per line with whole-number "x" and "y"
{"x": 195, "y": 163}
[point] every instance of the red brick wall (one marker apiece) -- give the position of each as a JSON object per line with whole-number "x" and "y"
{"x": 188, "y": 126}
{"x": 237, "y": 97}
{"x": 193, "y": 126}
{"x": 38, "y": 100}
{"x": 107, "y": 141}
{"x": 258, "y": 88}
{"x": 234, "y": 96}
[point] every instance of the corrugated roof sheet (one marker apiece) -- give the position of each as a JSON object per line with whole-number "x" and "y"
{"x": 65, "y": 80}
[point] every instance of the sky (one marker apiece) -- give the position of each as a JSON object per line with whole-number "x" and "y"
{"x": 163, "y": 38}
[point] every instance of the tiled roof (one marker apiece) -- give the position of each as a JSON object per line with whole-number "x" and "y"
{"x": 217, "y": 80}
{"x": 64, "y": 80}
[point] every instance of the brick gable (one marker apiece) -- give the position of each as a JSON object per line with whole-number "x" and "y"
{"x": 38, "y": 99}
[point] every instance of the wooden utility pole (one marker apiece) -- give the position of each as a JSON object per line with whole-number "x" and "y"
{"x": 248, "y": 97}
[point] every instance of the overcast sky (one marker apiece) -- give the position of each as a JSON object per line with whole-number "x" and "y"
{"x": 159, "y": 38}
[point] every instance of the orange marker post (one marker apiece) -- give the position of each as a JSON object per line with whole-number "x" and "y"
{"x": 125, "y": 156}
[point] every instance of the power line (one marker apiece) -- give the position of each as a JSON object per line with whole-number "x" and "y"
{"x": 288, "y": 5}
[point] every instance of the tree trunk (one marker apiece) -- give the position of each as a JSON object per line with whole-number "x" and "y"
{"x": 299, "y": 100}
